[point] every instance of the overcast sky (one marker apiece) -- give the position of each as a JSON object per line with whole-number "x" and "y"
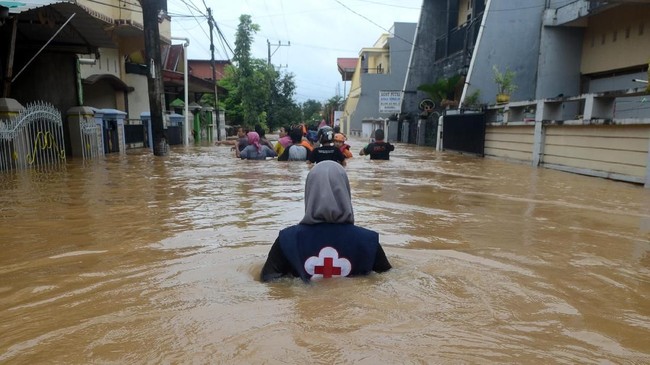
{"x": 319, "y": 31}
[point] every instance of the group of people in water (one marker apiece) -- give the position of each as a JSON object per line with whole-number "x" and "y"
{"x": 297, "y": 143}
{"x": 325, "y": 243}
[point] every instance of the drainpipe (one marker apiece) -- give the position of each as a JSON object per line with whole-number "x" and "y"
{"x": 186, "y": 124}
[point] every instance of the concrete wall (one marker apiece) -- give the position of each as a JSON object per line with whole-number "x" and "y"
{"x": 508, "y": 39}
{"x": 616, "y": 151}
{"x": 109, "y": 63}
{"x": 399, "y": 51}
{"x": 559, "y": 62}
{"x": 619, "y": 152}
{"x": 138, "y": 99}
{"x": 431, "y": 25}
{"x": 617, "y": 38}
{"x": 510, "y": 142}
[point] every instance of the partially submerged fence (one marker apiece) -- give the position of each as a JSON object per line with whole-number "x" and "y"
{"x": 32, "y": 139}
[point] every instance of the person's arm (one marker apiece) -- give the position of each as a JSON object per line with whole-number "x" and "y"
{"x": 391, "y": 147}
{"x": 269, "y": 152}
{"x": 267, "y": 143}
{"x": 381, "y": 261}
{"x": 363, "y": 151}
{"x": 276, "y": 265}
{"x": 241, "y": 154}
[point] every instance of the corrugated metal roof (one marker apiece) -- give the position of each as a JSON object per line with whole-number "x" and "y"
{"x": 38, "y": 21}
{"x": 17, "y": 7}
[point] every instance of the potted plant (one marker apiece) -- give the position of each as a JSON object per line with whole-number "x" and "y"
{"x": 505, "y": 84}
{"x": 472, "y": 100}
{"x": 443, "y": 91}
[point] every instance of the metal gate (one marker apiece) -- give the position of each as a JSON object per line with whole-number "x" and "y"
{"x": 32, "y": 139}
{"x": 464, "y": 133}
{"x": 91, "y": 139}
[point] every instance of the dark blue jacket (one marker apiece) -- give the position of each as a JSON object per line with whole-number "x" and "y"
{"x": 325, "y": 250}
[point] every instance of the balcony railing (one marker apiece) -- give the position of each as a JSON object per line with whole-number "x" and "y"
{"x": 458, "y": 39}
{"x": 373, "y": 70}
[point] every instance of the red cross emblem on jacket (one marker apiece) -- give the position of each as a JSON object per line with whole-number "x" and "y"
{"x": 327, "y": 264}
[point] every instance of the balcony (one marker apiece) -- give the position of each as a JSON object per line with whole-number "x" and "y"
{"x": 458, "y": 39}
{"x": 373, "y": 70}
{"x": 575, "y": 12}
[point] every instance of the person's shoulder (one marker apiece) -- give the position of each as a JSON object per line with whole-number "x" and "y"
{"x": 290, "y": 229}
{"x": 365, "y": 230}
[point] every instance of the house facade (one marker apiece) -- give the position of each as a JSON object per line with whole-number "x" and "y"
{"x": 380, "y": 70}
{"x": 581, "y": 70}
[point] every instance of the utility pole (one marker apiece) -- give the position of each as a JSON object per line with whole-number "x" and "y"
{"x": 278, "y": 45}
{"x": 271, "y": 114}
{"x": 150, "y": 12}
{"x": 214, "y": 74}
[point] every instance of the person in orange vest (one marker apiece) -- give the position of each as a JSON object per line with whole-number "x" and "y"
{"x": 339, "y": 142}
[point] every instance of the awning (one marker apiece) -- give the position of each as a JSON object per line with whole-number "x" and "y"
{"x": 39, "y": 20}
{"x": 196, "y": 85}
{"x": 346, "y": 67}
{"x": 113, "y": 80}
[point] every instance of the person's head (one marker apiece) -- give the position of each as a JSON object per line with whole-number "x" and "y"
{"x": 296, "y": 135}
{"x": 325, "y": 135}
{"x": 379, "y": 135}
{"x": 312, "y": 136}
{"x": 241, "y": 132}
{"x": 284, "y": 131}
{"x": 260, "y": 130}
{"x": 327, "y": 195}
{"x": 339, "y": 139}
{"x": 254, "y": 139}
{"x": 337, "y": 129}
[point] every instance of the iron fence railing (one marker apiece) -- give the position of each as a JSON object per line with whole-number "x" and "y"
{"x": 32, "y": 139}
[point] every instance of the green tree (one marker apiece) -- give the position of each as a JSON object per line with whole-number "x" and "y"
{"x": 311, "y": 111}
{"x": 246, "y": 80}
{"x": 332, "y": 104}
{"x": 283, "y": 110}
{"x": 257, "y": 94}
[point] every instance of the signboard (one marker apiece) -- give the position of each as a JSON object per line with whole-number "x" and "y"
{"x": 338, "y": 114}
{"x": 389, "y": 101}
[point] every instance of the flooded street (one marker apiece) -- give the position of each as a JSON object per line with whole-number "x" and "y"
{"x": 137, "y": 259}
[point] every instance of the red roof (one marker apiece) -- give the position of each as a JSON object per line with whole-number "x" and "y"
{"x": 347, "y": 67}
{"x": 203, "y": 68}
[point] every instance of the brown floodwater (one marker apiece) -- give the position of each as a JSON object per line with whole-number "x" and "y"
{"x": 137, "y": 259}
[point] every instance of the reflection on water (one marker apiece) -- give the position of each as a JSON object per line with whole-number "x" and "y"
{"x": 139, "y": 259}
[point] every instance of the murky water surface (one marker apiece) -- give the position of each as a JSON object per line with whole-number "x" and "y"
{"x": 143, "y": 260}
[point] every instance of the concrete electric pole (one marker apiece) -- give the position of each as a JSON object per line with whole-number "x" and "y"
{"x": 151, "y": 13}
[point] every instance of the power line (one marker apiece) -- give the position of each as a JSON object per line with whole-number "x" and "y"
{"x": 369, "y": 20}
{"x": 384, "y": 4}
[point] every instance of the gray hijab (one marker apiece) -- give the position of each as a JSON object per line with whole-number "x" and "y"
{"x": 327, "y": 195}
